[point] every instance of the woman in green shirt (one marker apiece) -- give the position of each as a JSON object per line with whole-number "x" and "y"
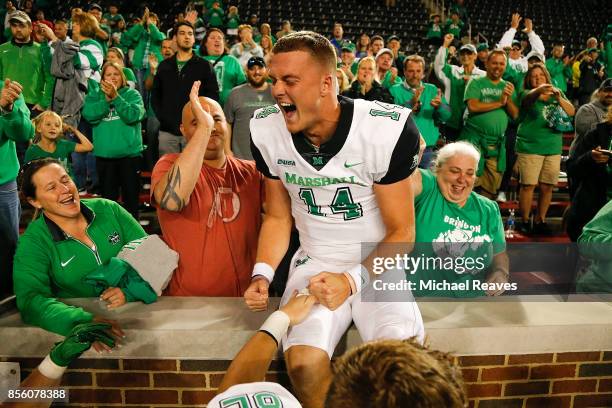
{"x": 459, "y": 233}
{"x": 227, "y": 67}
{"x": 544, "y": 111}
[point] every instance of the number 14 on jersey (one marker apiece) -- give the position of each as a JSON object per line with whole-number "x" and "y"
{"x": 342, "y": 203}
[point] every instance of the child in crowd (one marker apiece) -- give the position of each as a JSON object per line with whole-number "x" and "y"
{"x": 48, "y": 141}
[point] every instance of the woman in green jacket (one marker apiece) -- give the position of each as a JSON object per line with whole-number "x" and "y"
{"x": 115, "y": 112}
{"x": 71, "y": 239}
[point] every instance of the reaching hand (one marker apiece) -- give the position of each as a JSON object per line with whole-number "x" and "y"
{"x": 448, "y": 40}
{"x": 528, "y": 26}
{"x": 114, "y": 297}
{"x": 201, "y": 114}
{"x": 516, "y": 20}
{"x": 330, "y": 289}
{"x": 79, "y": 340}
{"x": 115, "y": 332}
{"x": 192, "y": 17}
{"x": 10, "y": 93}
{"x": 298, "y": 307}
{"x": 256, "y": 296}
{"x": 47, "y": 32}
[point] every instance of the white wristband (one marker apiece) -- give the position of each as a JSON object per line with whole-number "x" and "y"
{"x": 276, "y": 325}
{"x": 50, "y": 370}
{"x": 360, "y": 276}
{"x": 263, "y": 269}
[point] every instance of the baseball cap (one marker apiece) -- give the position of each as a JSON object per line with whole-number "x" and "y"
{"x": 256, "y": 61}
{"x": 516, "y": 42}
{"x": 535, "y": 54}
{"x": 393, "y": 37}
{"x": 606, "y": 85}
{"x": 384, "y": 51}
{"x": 348, "y": 46}
{"x": 468, "y": 47}
{"x": 94, "y": 6}
{"x": 20, "y": 16}
{"x": 482, "y": 47}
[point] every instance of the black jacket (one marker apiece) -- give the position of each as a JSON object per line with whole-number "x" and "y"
{"x": 171, "y": 90}
{"x": 592, "y": 179}
{"x": 376, "y": 93}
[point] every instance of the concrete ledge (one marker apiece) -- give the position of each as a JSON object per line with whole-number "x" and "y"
{"x": 216, "y": 328}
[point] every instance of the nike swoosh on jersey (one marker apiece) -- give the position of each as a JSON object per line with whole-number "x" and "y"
{"x": 348, "y": 166}
{"x": 67, "y": 262}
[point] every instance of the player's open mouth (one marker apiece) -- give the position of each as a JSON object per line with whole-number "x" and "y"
{"x": 288, "y": 107}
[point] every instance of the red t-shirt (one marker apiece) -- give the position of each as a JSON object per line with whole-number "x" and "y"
{"x": 216, "y": 234}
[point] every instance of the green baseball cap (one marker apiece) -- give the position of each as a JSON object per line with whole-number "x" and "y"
{"x": 482, "y": 47}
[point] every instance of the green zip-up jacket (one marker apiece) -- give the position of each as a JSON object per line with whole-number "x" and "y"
{"x": 559, "y": 73}
{"x": 452, "y": 77}
{"x": 116, "y": 125}
{"x": 144, "y": 43}
{"x": 15, "y": 126}
{"x": 427, "y": 117}
{"x": 26, "y": 64}
{"x": 49, "y": 264}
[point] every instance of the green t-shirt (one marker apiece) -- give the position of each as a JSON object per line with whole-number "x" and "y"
{"x": 492, "y": 124}
{"x": 454, "y": 29}
{"x": 594, "y": 244}
{"x": 233, "y": 21}
{"x": 215, "y": 17}
{"x": 434, "y": 31}
{"x": 535, "y": 134}
{"x": 428, "y": 117}
{"x": 471, "y": 235}
{"x": 229, "y": 74}
{"x": 63, "y": 148}
{"x": 180, "y": 64}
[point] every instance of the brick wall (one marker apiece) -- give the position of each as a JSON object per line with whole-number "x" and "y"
{"x": 582, "y": 379}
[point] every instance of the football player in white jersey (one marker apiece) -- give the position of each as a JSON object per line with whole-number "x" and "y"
{"x": 340, "y": 169}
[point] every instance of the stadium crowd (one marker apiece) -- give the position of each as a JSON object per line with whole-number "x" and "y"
{"x": 91, "y": 100}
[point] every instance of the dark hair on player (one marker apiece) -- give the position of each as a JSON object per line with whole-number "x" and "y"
{"x": 183, "y": 23}
{"x": 394, "y": 374}
{"x": 319, "y": 47}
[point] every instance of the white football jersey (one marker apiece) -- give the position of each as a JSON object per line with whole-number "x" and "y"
{"x": 257, "y": 394}
{"x": 334, "y": 208}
